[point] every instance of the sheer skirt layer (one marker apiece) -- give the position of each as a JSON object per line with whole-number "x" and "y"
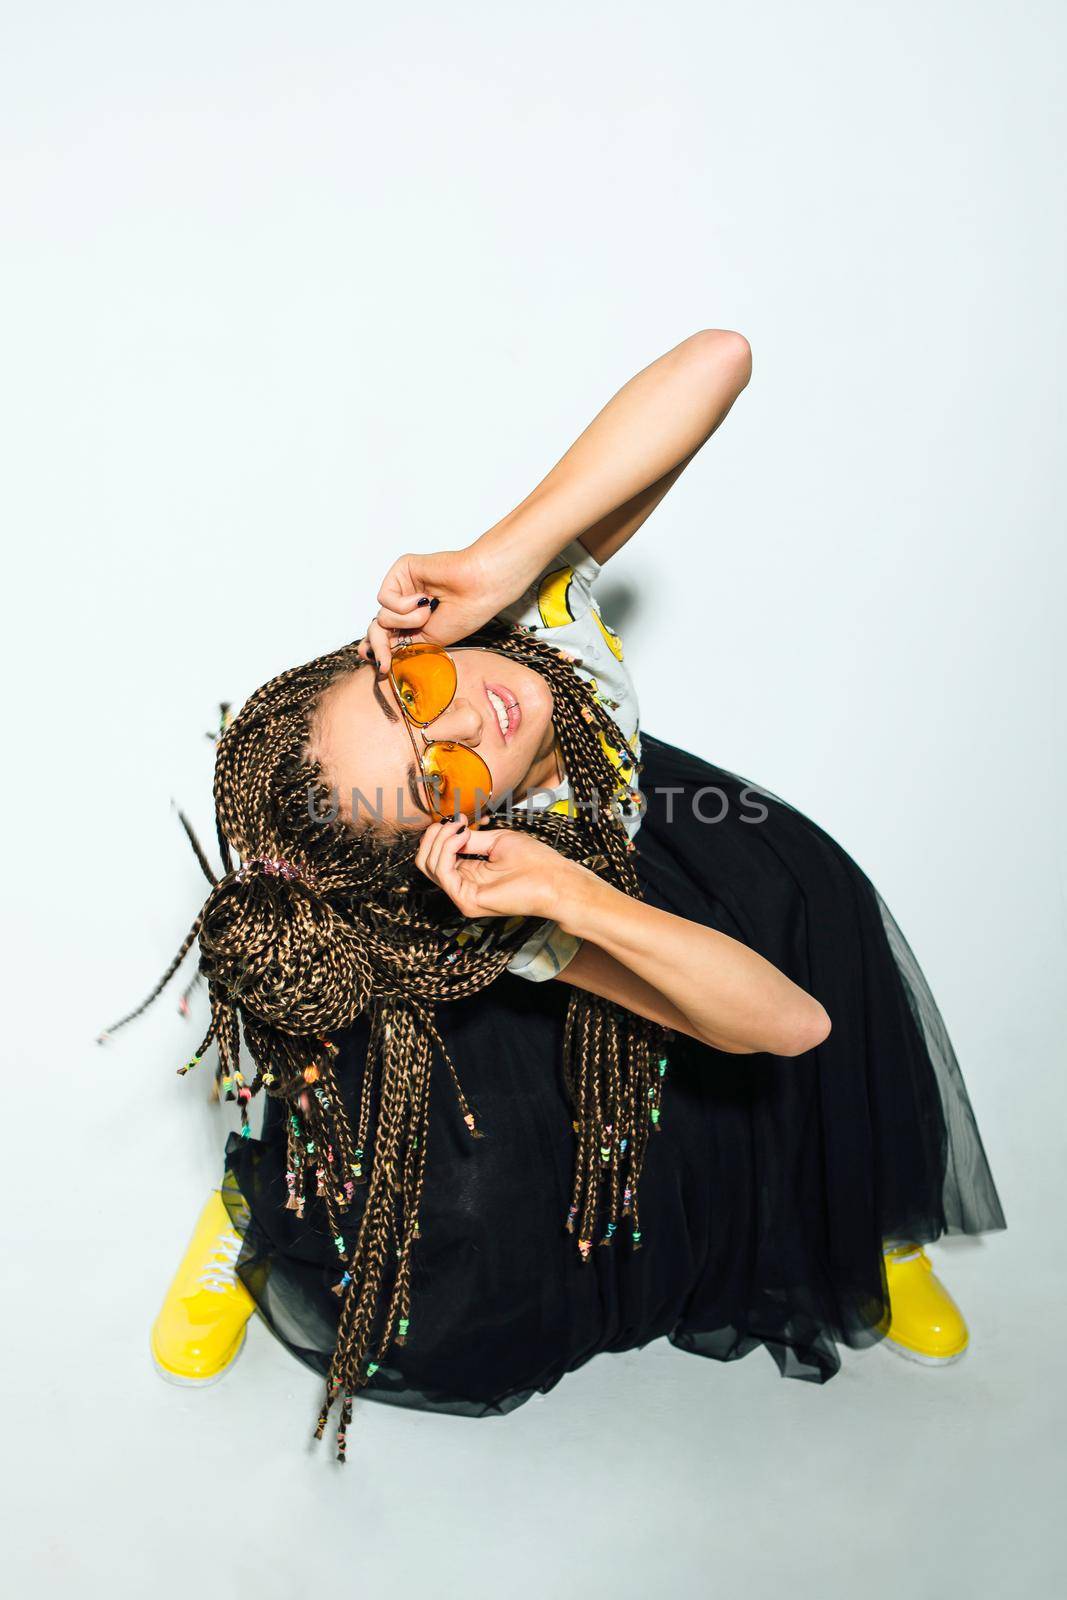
{"x": 766, "y": 1194}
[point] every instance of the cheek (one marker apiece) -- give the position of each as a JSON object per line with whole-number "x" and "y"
{"x": 539, "y": 709}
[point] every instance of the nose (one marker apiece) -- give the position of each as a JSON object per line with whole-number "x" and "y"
{"x": 462, "y": 723}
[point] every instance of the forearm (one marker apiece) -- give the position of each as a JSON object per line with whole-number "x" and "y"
{"x": 733, "y": 998}
{"x": 627, "y": 458}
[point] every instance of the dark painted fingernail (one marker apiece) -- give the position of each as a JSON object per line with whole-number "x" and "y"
{"x": 426, "y": 601}
{"x": 372, "y": 657}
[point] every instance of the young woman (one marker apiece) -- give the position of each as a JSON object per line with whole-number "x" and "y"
{"x": 570, "y": 1038}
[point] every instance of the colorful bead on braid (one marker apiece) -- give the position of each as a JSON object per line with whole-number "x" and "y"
{"x": 571, "y": 1214}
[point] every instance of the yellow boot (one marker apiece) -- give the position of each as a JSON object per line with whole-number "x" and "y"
{"x": 925, "y": 1323}
{"x": 200, "y": 1329}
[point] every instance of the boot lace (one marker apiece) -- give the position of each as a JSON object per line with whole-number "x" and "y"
{"x": 218, "y": 1272}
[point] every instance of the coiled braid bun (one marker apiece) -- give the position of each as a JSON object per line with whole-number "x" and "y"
{"x": 285, "y": 953}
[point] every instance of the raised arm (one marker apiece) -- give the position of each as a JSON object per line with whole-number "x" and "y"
{"x": 618, "y": 470}
{"x": 604, "y": 488}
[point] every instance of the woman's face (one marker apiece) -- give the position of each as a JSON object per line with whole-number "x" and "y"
{"x": 501, "y": 709}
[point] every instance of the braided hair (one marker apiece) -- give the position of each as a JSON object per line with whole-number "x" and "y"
{"x": 323, "y": 921}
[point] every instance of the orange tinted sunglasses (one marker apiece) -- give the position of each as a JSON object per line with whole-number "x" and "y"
{"x": 424, "y": 680}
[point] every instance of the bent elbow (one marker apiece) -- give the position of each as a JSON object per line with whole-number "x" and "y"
{"x": 726, "y": 352}
{"x": 809, "y": 1028}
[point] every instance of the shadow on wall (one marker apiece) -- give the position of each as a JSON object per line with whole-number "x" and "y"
{"x": 619, "y": 603}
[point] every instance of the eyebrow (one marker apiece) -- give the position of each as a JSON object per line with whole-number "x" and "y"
{"x": 383, "y": 702}
{"x": 393, "y": 716}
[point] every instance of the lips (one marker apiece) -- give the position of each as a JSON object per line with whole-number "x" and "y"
{"x": 507, "y": 713}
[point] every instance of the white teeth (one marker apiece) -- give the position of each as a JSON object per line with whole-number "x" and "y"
{"x": 501, "y": 711}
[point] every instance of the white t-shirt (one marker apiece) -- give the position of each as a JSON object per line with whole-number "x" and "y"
{"x": 559, "y": 607}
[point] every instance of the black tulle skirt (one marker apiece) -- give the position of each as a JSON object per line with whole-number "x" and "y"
{"x": 765, "y": 1196}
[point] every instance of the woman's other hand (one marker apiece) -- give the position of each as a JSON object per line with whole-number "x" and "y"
{"x": 520, "y": 877}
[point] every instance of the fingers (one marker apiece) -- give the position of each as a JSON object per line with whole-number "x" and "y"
{"x": 433, "y": 837}
{"x": 394, "y": 597}
{"x": 374, "y": 646}
{"x": 391, "y": 628}
{"x": 436, "y": 857}
{"x": 424, "y": 845}
{"x": 487, "y": 841}
{"x": 407, "y": 617}
{"x": 378, "y": 646}
{"x": 451, "y": 837}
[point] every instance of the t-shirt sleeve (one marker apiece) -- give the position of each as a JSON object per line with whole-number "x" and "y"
{"x": 545, "y": 953}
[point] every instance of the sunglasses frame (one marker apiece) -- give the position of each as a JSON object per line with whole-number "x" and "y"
{"x": 410, "y": 723}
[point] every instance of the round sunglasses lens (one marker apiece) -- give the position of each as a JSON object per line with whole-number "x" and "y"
{"x": 460, "y": 781}
{"x": 425, "y": 680}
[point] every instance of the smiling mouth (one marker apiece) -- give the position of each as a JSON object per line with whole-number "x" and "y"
{"x": 506, "y": 710}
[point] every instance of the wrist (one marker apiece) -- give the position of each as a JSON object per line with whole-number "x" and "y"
{"x": 507, "y": 568}
{"x": 515, "y": 550}
{"x": 578, "y": 899}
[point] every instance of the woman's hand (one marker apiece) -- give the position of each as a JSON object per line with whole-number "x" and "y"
{"x": 520, "y": 877}
{"x": 440, "y": 598}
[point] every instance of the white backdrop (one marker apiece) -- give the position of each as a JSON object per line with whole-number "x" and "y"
{"x": 290, "y": 288}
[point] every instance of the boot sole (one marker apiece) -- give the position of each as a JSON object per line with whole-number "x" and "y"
{"x": 184, "y": 1382}
{"x": 924, "y": 1361}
